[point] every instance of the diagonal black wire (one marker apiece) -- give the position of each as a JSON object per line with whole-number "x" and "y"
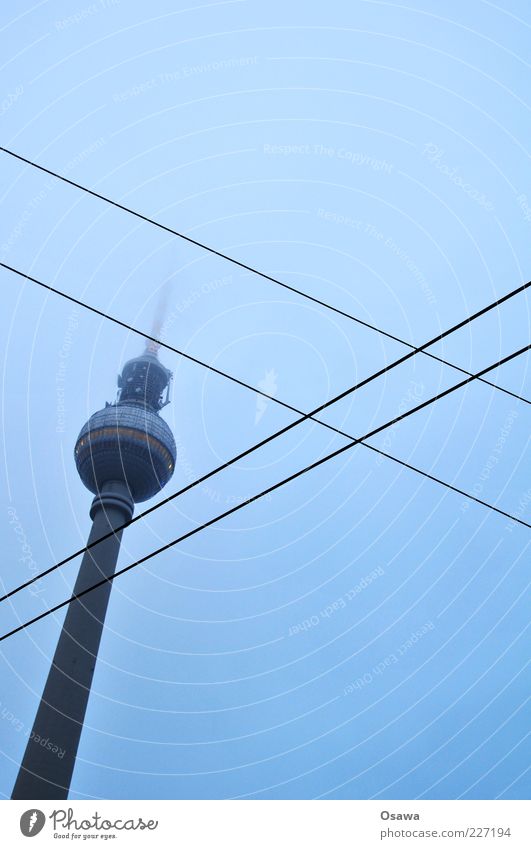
{"x": 271, "y": 489}
{"x": 304, "y": 417}
{"x": 250, "y": 268}
{"x": 239, "y": 382}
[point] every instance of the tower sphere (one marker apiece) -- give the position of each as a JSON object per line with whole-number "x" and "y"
{"x": 128, "y": 440}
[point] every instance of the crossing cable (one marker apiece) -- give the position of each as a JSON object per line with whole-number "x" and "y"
{"x": 226, "y": 464}
{"x": 271, "y": 489}
{"x": 245, "y": 385}
{"x": 250, "y": 268}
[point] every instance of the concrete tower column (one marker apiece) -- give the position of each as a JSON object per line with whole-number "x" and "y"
{"x": 48, "y": 763}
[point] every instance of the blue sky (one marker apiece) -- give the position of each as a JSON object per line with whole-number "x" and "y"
{"x": 374, "y": 155}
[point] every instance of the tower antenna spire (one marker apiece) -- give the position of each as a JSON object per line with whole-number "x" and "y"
{"x": 161, "y": 310}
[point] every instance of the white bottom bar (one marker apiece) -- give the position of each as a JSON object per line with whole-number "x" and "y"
{"x": 266, "y": 824}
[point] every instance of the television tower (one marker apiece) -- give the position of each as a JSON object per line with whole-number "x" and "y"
{"x": 124, "y": 454}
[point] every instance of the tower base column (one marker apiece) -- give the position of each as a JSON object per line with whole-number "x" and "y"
{"x": 49, "y": 759}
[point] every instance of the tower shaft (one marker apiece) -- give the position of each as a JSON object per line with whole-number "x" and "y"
{"x": 48, "y": 763}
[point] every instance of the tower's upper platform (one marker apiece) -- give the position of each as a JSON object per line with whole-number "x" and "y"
{"x": 144, "y": 380}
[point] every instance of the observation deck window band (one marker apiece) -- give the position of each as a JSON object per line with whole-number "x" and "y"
{"x": 140, "y": 436}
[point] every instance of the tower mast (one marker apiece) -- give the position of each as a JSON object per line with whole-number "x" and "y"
{"x": 124, "y": 454}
